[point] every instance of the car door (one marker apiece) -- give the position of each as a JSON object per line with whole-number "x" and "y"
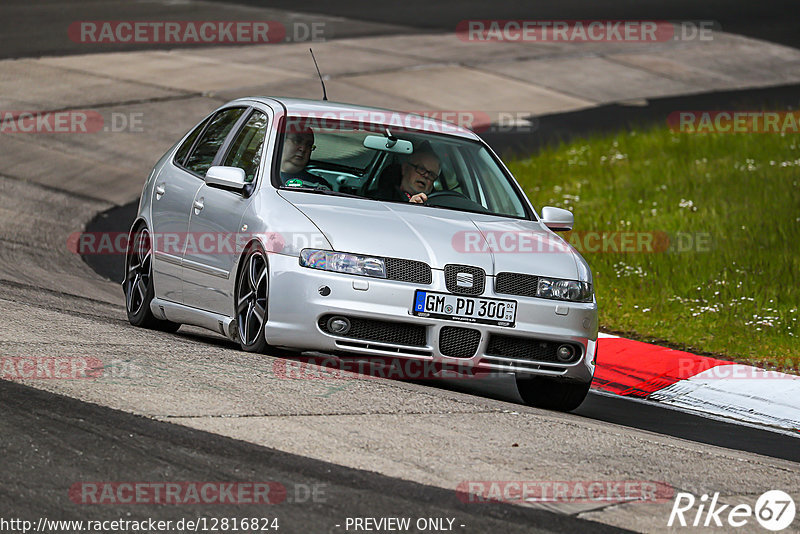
{"x": 215, "y": 222}
{"x": 173, "y": 194}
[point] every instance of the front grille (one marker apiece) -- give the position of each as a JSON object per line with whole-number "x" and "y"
{"x": 381, "y": 331}
{"x": 525, "y": 348}
{"x": 408, "y": 271}
{"x": 451, "y": 279}
{"x": 459, "y": 342}
{"x": 524, "y": 285}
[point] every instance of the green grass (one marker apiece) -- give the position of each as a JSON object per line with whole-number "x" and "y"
{"x": 740, "y": 299}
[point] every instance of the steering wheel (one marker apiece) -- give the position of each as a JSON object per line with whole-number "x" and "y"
{"x": 453, "y": 199}
{"x": 443, "y": 194}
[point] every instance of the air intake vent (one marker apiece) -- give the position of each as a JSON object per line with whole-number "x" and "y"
{"x": 528, "y": 349}
{"x": 459, "y": 342}
{"x": 381, "y": 331}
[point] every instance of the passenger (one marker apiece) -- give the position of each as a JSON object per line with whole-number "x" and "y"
{"x": 416, "y": 177}
{"x": 297, "y": 148}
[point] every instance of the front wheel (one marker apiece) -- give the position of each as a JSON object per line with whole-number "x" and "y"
{"x": 552, "y": 394}
{"x": 252, "y": 289}
{"x": 138, "y": 285}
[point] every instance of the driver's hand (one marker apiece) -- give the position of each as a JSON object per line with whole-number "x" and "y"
{"x": 419, "y": 198}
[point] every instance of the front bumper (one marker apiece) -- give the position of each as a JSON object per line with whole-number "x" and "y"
{"x": 296, "y": 304}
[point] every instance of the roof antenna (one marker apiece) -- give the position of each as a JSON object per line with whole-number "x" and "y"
{"x": 324, "y": 93}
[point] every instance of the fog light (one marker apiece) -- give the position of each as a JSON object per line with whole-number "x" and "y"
{"x": 339, "y": 325}
{"x": 565, "y": 353}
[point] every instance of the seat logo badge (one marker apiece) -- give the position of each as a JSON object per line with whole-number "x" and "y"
{"x": 464, "y": 280}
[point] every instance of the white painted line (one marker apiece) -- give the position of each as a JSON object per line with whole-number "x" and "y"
{"x": 706, "y": 415}
{"x": 604, "y": 335}
{"x": 740, "y": 392}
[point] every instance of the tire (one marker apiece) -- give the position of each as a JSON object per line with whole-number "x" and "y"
{"x": 138, "y": 285}
{"x": 552, "y": 394}
{"x": 250, "y": 300}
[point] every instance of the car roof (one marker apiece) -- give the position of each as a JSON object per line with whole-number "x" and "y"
{"x": 305, "y": 107}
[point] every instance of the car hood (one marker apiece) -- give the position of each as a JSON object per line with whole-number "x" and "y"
{"x": 437, "y": 236}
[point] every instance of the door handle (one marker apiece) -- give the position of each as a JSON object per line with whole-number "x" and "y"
{"x": 198, "y": 205}
{"x": 160, "y": 190}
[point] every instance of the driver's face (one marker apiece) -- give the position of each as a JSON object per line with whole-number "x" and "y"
{"x": 419, "y": 173}
{"x": 297, "y": 149}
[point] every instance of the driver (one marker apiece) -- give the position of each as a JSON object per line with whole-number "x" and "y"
{"x": 416, "y": 177}
{"x": 297, "y": 148}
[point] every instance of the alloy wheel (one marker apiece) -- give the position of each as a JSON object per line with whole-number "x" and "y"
{"x": 251, "y": 299}
{"x": 138, "y": 272}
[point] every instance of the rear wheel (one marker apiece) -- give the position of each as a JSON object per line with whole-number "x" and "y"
{"x": 138, "y": 285}
{"x": 252, "y": 289}
{"x": 552, "y": 394}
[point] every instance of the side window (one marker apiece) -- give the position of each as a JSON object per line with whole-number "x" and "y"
{"x": 183, "y": 151}
{"x": 245, "y": 151}
{"x": 209, "y": 144}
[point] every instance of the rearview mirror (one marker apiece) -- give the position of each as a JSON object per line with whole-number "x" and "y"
{"x": 557, "y": 219}
{"x": 226, "y": 177}
{"x": 379, "y": 142}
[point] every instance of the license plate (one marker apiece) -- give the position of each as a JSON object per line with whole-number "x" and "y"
{"x": 466, "y": 309}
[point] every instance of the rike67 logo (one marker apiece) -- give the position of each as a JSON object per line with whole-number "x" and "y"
{"x": 774, "y": 510}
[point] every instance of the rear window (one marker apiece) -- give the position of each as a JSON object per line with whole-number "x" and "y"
{"x": 184, "y": 149}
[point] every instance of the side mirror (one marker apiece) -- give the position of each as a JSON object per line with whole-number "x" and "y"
{"x": 226, "y": 177}
{"x": 557, "y": 219}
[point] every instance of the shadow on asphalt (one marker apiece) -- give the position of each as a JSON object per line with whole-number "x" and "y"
{"x": 52, "y": 443}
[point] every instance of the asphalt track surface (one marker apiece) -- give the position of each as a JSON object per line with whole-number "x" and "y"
{"x": 50, "y": 442}
{"x": 29, "y": 29}
{"x": 773, "y": 20}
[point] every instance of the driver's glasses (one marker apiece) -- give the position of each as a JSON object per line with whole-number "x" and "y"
{"x": 301, "y": 141}
{"x": 425, "y": 173}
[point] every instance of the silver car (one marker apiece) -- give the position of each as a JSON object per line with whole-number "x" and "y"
{"x": 317, "y": 226}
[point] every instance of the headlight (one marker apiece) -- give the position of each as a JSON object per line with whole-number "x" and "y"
{"x": 572, "y": 290}
{"x": 342, "y": 262}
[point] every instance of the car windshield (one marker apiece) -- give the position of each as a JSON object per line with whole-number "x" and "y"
{"x": 348, "y": 158}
